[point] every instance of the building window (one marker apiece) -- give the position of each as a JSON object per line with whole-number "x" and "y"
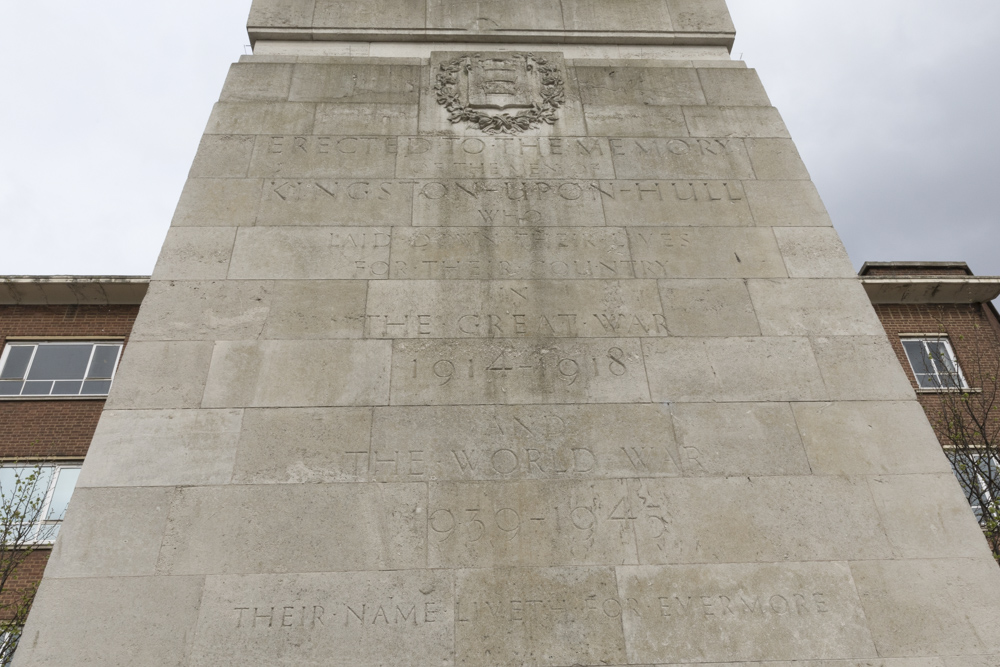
{"x": 9, "y": 637}
{"x": 66, "y": 368}
{"x": 33, "y": 501}
{"x": 979, "y": 476}
{"x": 933, "y": 363}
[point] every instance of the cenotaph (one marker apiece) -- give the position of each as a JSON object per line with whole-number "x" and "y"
{"x": 509, "y": 334}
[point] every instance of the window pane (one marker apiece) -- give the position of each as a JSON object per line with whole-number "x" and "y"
{"x": 37, "y": 388}
{"x": 10, "y": 388}
{"x": 918, "y": 357}
{"x": 941, "y": 356}
{"x": 96, "y": 387}
{"x": 25, "y": 487}
{"x": 60, "y": 362}
{"x": 103, "y": 365}
{"x": 64, "y": 388}
{"x": 63, "y": 491}
{"x": 17, "y": 362}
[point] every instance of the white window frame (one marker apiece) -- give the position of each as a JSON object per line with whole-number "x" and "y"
{"x": 51, "y": 525}
{"x": 954, "y": 381}
{"x": 983, "y": 487}
{"x": 11, "y": 343}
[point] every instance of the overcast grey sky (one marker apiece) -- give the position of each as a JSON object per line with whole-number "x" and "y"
{"x": 893, "y": 104}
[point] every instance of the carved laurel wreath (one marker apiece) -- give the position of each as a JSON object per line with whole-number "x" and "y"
{"x": 553, "y": 96}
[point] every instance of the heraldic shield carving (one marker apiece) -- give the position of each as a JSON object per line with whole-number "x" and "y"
{"x": 501, "y": 93}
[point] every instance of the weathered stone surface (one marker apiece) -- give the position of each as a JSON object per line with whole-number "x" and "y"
{"x": 377, "y": 14}
{"x": 511, "y": 254}
{"x": 708, "y": 308}
{"x": 717, "y": 158}
{"x": 868, "y": 438}
{"x": 714, "y": 121}
{"x": 786, "y": 204}
{"x": 195, "y": 253}
{"x": 723, "y": 252}
{"x": 163, "y": 448}
{"x": 223, "y": 156}
{"x": 316, "y": 309}
{"x": 813, "y": 253}
{"x": 307, "y": 253}
{"x": 463, "y": 372}
{"x": 311, "y": 156}
{"x": 732, "y": 87}
{"x": 322, "y": 202}
{"x": 673, "y": 203}
{"x": 218, "y": 202}
{"x": 362, "y": 618}
{"x": 261, "y": 118}
{"x": 861, "y": 368}
{"x": 537, "y": 616}
{"x": 258, "y": 81}
{"x": 813, "y": 307}
{"x": 355, "y": 84}
{"x": 776, "y": 159}
{"x": 931, "y": 607}
{"x": 733, "y": 370}
{"x": 623, "y": 87}
{"x": 161, "y": 375}
{"x": 258, "y": 529}
{"x": 298, "y": 373}
{"x": 752, "y": 439}
{"x": 109, "y": 622}
{"x": 513, "y": 309}
{"x": 111, "y": 533}
{"x": 204, "y": 310}
{"x": 742, "y": 612}
{"x": 526, "y": 442}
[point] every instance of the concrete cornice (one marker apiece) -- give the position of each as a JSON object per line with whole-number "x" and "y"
{"x": 72, "y": 290}
{"x": 943, "y": 289}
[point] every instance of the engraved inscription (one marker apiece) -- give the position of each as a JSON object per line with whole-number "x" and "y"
{"x": 457, "y": 372}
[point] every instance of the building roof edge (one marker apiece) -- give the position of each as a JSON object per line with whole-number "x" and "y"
{"x": 72, "y": 290}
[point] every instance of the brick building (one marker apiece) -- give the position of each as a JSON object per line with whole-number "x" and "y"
{"x": 60, "y": 341}
{"x": 946, "y": 333}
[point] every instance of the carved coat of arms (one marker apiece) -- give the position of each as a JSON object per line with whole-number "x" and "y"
{"x": 502, "y": 92}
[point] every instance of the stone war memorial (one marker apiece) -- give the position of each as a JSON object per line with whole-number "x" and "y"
{"x": 509, "y": 334}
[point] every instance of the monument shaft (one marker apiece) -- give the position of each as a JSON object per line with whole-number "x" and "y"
{"x": 509, "y": 334}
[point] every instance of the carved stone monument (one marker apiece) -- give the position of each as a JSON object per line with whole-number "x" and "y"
{"x": 509, "y": 334}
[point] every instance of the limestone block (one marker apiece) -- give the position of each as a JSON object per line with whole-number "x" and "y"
{"x": 354, "y": 618}
{"x": 861, "y": 368}
{"x": 675, "y": 203}
{"x": 488, "y": 157}
{"x": 813, "y": 253}
{"x": 349, "y": 202}
{"x": 931, "y": 607}
{"x": 791, "y": 611}
{"x": 537, "y": 616}
{"x": 755, "y": 519}
{"x": 719, "y": 158}
{"x": 868, "y": 438}
{"x": 356, "y": 84}
{"x": 258, "y": 81}
{"x": 294, "y": 373}
{"x": 290, "y": 13}
{"x": 162, "y": 448}
{"x": 700, "y": 16}
{"x": 739, "y": 439}
{"x": 497, "y": 203}
{"x": 375, "y": 14}
{"x": 635, "y": 121}
{"x": 708, "y": 308}
{"x": 305, "y": 445}
{"x": 487, "y": 15}
{"x": 776, "y": 160}
{"x": 732, "y": 87}
{"x": 863, "y": 662}
{"x": 161, "y": 375}
{"x": 111, "y": 533}
{"x": 310, "y": 253}
{"x": 204, "y": 310}
{"x": 813, "y": 307}
{"x": 972, "y": 661}
{"x": 602, "y": 15}
{"x": 218, "y": 202}
{"x": 261, "y": 118}
{"x": 86, "y": 622}
{"x": 529, "y": 524}
{"x": 316, "y": 309}
{"x": 513, "y": 309}
{"x": 732, "y": 370}
{"x": 715, "y": 121}
{"x": 928, "y": 516}
{"x": 311, "y": 156}
{"x": 625, "y": 86}
{"x": 463, "y": 372}
{"x": 786, "y": 203}
{"x": 501, "y": 253}
{"x": 387, "y": 119}
{"x": 223, "y": 156}
{"x": 195, "y": 253}
{"x": 706, "y": 252}
{"x": 278, "y": 528}
{"x": 497, "y": 443}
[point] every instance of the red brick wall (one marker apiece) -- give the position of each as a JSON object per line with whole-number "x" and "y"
{"x": 29, "y": 572}
{"x": 50, "y": 428}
